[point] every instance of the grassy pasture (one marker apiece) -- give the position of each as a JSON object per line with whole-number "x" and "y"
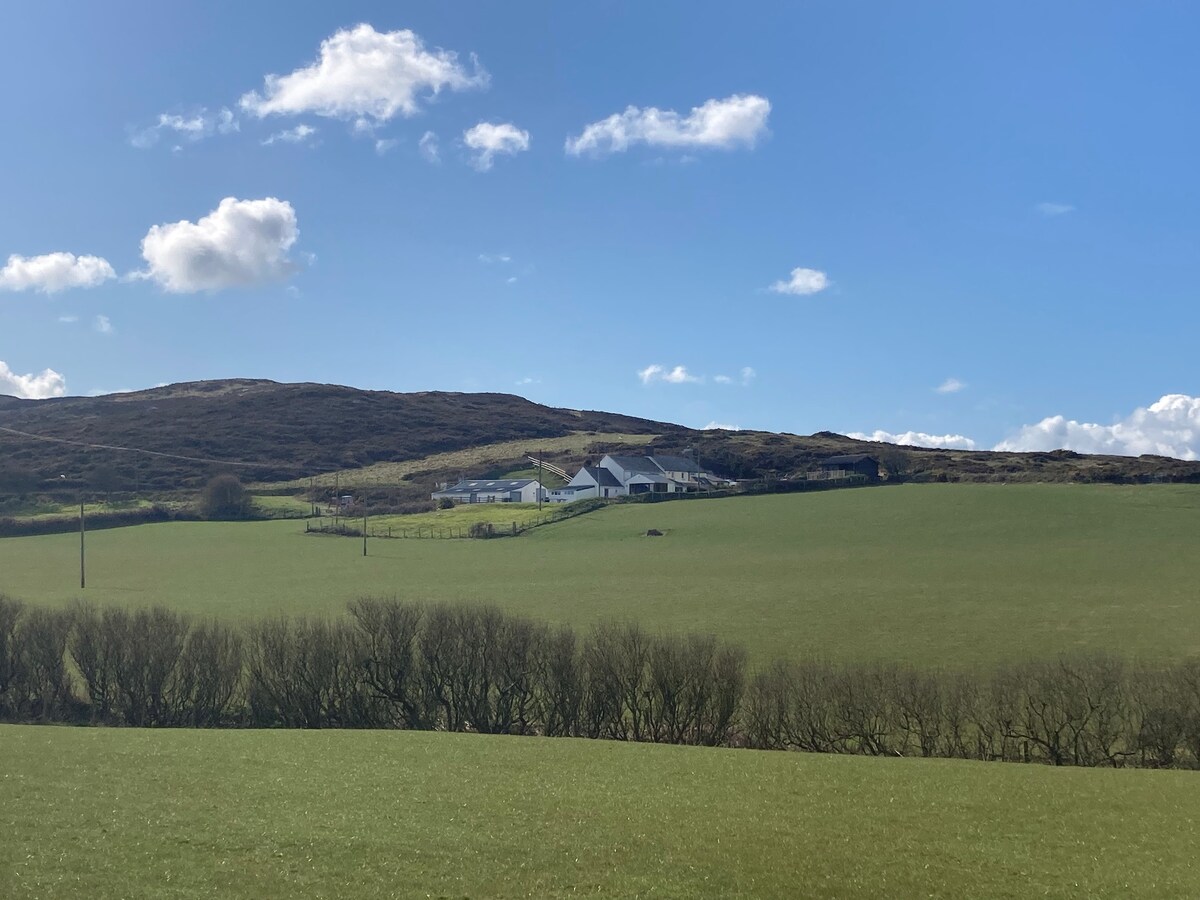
{"x": 934, "y": 574}
{"x": 131, "y": 813}
{"x": 281, "y": 507}
{"x": 52, "y": 510}
{"x": 462, "y": 516}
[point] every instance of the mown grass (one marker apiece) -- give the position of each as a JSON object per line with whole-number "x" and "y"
{"x": 468, "y": 461}
{"x": 127, "y": 813}
{"x": 933, "y": 574}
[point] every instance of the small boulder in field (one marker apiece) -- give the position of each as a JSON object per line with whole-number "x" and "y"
{"x": 654, "y": 532}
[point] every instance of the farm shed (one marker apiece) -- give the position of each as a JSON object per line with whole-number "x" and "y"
{"x": 853, "y": 464}
{"x": 482, "y": 490}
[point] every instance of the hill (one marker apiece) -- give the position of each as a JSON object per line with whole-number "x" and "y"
{"x": 267, "y": 431}
{"x": 175, "y": 437}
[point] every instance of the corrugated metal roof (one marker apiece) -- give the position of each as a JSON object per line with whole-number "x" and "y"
{"x": 473, "y": 486}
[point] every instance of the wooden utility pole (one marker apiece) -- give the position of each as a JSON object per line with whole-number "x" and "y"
{"x": 364, "y": 529}
{"x": 540, "y": 476}
{"x": 82, "y": 530}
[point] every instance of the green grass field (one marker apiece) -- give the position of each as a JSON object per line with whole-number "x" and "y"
{"x": 128, "y": 813}
{"x": 458, "y": 518}
{"x": 936, "y": 574}
{"x": 44, "y": 511}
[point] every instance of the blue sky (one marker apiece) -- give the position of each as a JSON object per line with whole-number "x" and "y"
{"x": 998, "y": 202}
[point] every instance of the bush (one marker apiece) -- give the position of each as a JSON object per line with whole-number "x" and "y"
{"x": 224, "y": 498}
{"x": 445, "y": 503}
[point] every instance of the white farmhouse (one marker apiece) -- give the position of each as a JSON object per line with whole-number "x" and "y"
{"x": 482, "y": 490}
{"x": 617, "y": 476}
{"x": 592, "y": 481}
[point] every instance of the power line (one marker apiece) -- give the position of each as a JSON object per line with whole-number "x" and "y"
{"x": 196, "y": 459}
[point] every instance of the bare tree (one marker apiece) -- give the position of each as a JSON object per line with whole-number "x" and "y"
{"x": 41, "y": 640}
{"x": 10, "y": 615}
{"x": 391, "y": 630}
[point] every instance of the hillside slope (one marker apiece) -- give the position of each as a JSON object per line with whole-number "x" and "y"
{"x": 268, "y": 431}
{"x": 271, "y": 432}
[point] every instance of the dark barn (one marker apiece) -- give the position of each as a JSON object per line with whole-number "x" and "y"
{"x": 853, "y": 464}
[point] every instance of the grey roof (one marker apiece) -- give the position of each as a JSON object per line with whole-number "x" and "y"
{"x": 480, "y": 485}
{"x": 848, "y": 460}
{"x": 675, "y": 463}
{"x": 643, "y": 464}
{"x": 606, "y": 478}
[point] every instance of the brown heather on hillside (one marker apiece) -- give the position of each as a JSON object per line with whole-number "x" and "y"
{"x": 266, "y": 432}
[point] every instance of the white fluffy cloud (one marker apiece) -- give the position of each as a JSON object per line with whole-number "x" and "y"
{"x": 676, "y": 375}
{"x": 487, "y": 139}
{"x": 31, "y": 387}
{"x": 194, "y": 127}
{"x": 918, "y": 439}
{"x": 1168, "y": 427}
{"x": 365, "y": 74}
{"x": 241, "y": 242}
{"x": 103, "y": 325}
{"x": 720, "y": 426}
{"x": 54, "y": 272}
{"x": 802, "y": 282}
{"x": 739, "y": 120}
{"x": 297, "y": 135}
{"x": 951, "y": 386}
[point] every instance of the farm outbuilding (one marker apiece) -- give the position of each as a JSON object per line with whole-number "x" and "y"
{"x": 853, "y": 464}
{"x": 482, "y": 490}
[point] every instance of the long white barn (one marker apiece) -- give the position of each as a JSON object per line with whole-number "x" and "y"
{"x": 502, "y": 490}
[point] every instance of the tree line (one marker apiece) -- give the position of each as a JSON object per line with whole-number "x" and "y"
{"x": 394, "y": 664}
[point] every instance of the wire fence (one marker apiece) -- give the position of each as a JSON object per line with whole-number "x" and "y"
{"x": 346, "y": 527}
{"x": 352, "y": 527}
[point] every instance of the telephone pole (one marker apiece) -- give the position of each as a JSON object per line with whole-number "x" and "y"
{"x": 82, "y": 530}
